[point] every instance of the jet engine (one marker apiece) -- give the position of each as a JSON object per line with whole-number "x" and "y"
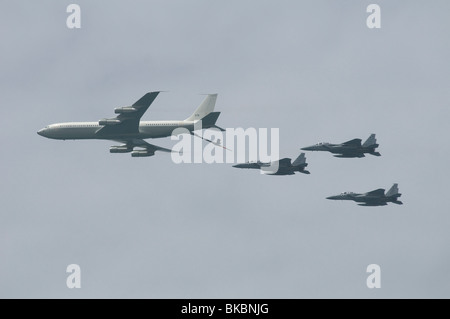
{"x": 109, "y": 122}
{"x": 120, "y": 149}
{"x": 144, "y": 153}
{"x": 125, "y": 109}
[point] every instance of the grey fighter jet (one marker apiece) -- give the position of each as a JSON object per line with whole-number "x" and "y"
{"x": 351, "y": 148}
{"x": 373, "y": 198}
{"x": 280, "y": 167}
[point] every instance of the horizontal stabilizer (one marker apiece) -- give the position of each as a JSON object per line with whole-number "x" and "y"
{"x": 375, "y": 153}
{"x": 210, "y": 120}
{"x": 218, "y": 127}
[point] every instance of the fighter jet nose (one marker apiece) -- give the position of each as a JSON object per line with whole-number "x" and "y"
{"x": 41, "y": 132}
{"x": 331, "y": 197}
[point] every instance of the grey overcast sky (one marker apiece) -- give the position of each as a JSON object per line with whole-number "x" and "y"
{"x": 149, "y": 228}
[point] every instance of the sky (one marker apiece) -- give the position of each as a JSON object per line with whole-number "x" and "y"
{"x": 150, "y": 228}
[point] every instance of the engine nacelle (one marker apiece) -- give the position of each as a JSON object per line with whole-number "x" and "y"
{"x": 109, "y": 122}
{"x": 142, "y": 153}
{"x": 125, "y": 109}
{"x": 120, "y": 149}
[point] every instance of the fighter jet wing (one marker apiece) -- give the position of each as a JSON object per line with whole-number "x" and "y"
{"x": 127, "y": 122}
{"x": 378, "y": 192}
{"x": 354, "y": 142}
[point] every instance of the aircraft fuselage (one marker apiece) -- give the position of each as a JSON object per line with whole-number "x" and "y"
{"x": 339, "y": 148}
{"x": 367, "y": 200}
{"x": 91, "y": 130}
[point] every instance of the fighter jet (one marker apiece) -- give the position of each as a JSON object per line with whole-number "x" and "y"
{"x": 373, "y": 198}
{"x": 128, "y": 129}
{"x": 351, "y": 148}
{"x": 283, "y": 166}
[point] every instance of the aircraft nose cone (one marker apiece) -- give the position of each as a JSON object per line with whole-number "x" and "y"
{"x": 43, "y": 132}
{"x": 332, "y": 197}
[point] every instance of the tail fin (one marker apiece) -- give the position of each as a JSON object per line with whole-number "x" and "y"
{"x": 393, "y": 191}
{"x": 301, "y": 159}
{"x": 204, "y": 109}
{"x": 371, "y": 141}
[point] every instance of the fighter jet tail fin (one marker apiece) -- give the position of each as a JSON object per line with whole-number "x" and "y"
{"x": 393, "y": 191}
{"x": 300, "y": 160}
{"x": 300, "y": 164}
{"x": 371, "y": 141}
{"x": 398, "y": 202}
{"x": 204, "y": 109}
